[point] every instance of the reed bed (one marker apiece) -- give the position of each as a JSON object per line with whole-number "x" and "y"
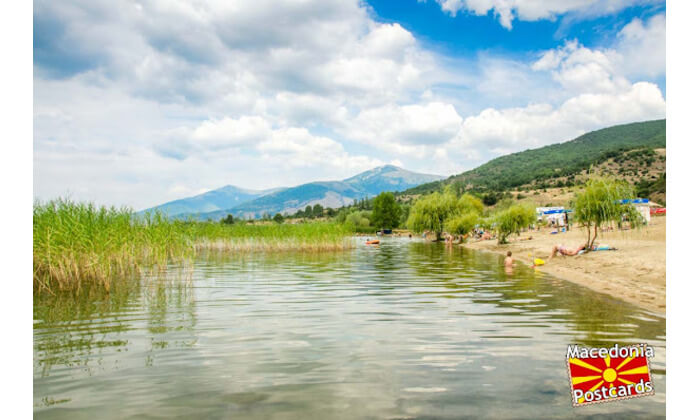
{"x": 304, "y": 237}
{"x": 78, "y": 245}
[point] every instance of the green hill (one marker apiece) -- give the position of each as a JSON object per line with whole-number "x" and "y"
{"x": 556, "y": 161}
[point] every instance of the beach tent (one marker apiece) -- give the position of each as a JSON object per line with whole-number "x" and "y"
{"x": 552, "y": 214}
{"x": 541, "y": 211}
{"x": 642, "y": 205}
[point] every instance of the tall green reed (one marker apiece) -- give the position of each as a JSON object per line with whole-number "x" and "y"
{"x": 79, "y": 245}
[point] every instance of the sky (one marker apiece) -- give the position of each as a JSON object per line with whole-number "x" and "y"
{"x": 141, "y": 102}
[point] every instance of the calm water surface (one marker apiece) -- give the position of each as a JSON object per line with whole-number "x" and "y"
{"x": 404, "y": 330}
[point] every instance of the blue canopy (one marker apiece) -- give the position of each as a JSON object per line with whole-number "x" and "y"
{"x": 557, "y": 211}
{"x": 634, "y": 201}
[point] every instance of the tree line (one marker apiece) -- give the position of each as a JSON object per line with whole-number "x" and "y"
{"x": 462, "y": 213}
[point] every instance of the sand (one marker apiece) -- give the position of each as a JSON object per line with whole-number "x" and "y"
{"x": 635, "y": 273}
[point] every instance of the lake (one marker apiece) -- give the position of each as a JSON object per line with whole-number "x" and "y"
{"x": 405, "y": 330}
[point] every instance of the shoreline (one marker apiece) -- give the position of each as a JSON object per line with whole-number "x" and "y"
{"x": 635, "y": 273}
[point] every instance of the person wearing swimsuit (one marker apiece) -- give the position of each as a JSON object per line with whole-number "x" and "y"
{"x": 561, "y": 249}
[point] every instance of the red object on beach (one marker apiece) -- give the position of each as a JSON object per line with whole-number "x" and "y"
{"x": 374, "y": 242}
{"x": 661, "y": 210}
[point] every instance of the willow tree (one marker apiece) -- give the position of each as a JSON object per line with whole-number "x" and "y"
{"x": 432, "y": 211}
{"x": 512, "y": 219}
{"x": 600, "y": 202}
{"x": 466, "y": 216}
{"x": 462, "y": 224}
{"x": 468, "y": 203}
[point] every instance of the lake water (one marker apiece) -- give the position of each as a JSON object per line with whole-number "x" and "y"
{"x": 403, "y": 330}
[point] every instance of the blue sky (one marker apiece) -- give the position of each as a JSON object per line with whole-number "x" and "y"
{"x": 137, "y": 103}
{"x": 466, "y": 33}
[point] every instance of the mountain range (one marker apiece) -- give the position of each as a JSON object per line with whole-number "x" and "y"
{"x": 556, "y": 164}
{"x": 246, "y": 203}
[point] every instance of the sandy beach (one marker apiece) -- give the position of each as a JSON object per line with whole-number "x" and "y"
{"x": 635, "y": 273}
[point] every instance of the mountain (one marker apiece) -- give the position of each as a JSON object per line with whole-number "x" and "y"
{"x": 557, "y": 162}
{"x": 388, "y": 178}
{"x": 327, "y": 193}
{"x": 219, "y": 199}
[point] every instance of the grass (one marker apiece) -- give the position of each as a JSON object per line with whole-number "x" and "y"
{"x": 78, "y": 245}
{"x": 307, "y": 237}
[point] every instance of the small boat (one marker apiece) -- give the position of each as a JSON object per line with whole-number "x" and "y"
{"x": 373, "y": 242}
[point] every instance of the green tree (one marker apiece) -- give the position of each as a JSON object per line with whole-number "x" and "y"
{"x": 278, "y": 218}
{"x": 467, "y": 215}
{"x": 459, "y": 186}
{"x": 308, "y": 211}
{"x": 491, "y": 198}
{"x": 462, "y": 224}
{"x": 386, "y": 212}
{"x": 229, "y": 220}
{"x": 363, "y": 204}
{"x": 512, "y": 219}
{"x": 317, "y": 210}
{"x": 405, "y": 211}
{"x": 342, "y": 214}
{"x": 600, "y": 203}
{"x": 432, "y": 211}
{"x": 468, "y": 203}
{"x": 357, "y": 219}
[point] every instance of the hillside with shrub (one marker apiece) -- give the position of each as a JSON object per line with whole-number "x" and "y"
{"x": 563, "y": 164}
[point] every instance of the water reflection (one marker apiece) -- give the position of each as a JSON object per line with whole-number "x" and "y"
{"x": 88, "y": 329}
{"x": 406, "y": 329}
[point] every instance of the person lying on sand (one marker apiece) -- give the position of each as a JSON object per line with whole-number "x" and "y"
{"x": 561, "y": 249}
{"x": 485, "y": 236}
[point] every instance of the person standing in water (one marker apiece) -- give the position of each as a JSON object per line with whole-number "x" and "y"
{"x": 509, "y": 260}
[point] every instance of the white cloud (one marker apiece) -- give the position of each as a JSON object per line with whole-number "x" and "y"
{"x": 405, "y": 129}
{"x": 229, "y": 132}
{"x": 307, "y": 109}
{"x": 638, "y": 52}
{"x": 221, "y": 53}
{"x": 513, "y": 129}
{"x": 285, "y": 147}
{"x": 532, "y": 10}
{"x": 385, "y": 40}
{"x": 505, "y": 80}
{"x": 642, "y": 47}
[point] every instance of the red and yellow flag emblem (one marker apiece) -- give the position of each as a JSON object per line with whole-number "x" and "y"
{"x": 609, "y": 375}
